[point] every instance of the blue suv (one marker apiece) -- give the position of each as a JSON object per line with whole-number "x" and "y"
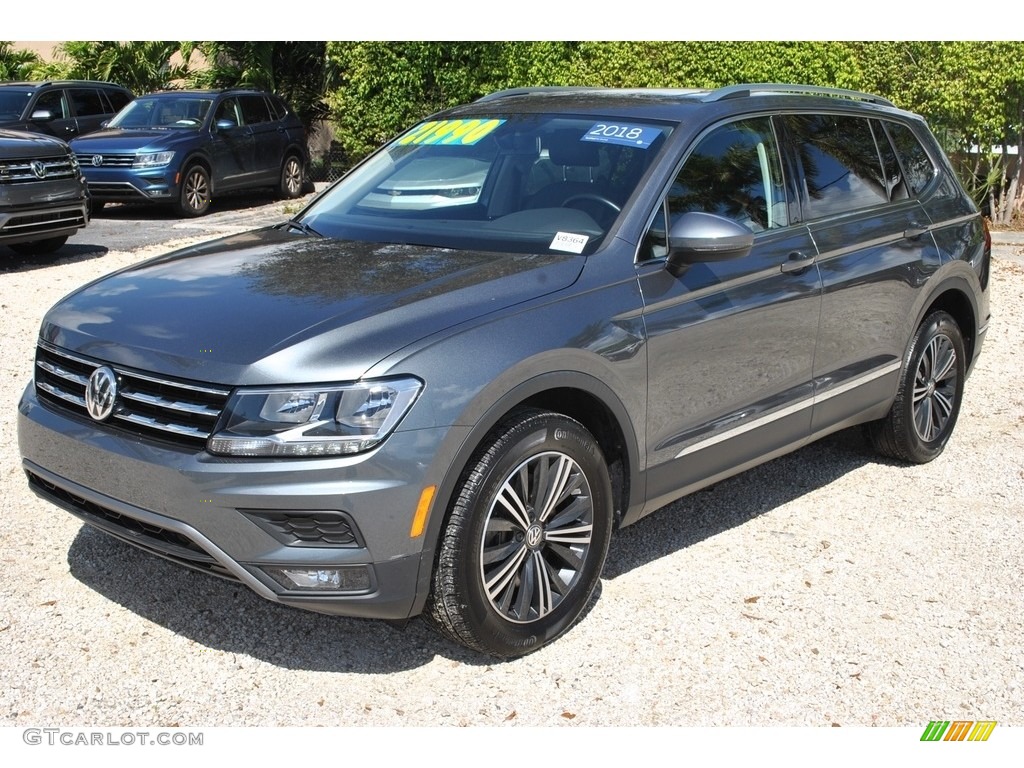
{"x": 183, "y": 147}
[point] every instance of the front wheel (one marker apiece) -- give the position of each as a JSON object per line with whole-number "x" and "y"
{"x": 927, "y": 404}
{"x": 194, "y": 194}
{"x": 526, "y": 537}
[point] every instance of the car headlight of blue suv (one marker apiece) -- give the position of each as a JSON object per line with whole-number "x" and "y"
{"x": 152, "y": 159}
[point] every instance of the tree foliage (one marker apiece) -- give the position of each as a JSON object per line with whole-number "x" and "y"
{"x": 300, "y": 71}
{"x": 16, "y": 64}
{"x": 140, "y": 66}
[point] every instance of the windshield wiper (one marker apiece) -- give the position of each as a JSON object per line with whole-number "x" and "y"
{"x": 301, "y": 227}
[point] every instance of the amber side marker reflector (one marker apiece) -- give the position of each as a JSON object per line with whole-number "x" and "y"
{"x": 419, "y": 520}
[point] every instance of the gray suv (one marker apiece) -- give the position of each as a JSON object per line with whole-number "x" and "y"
{"x": 521, "y": 325}
{"x": 43, "y": 197}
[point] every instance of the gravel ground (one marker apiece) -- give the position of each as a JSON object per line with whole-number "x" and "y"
{"x": 822, "y": 588}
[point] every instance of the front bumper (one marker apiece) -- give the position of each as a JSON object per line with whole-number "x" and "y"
{"x": 238, "y": 518}
{"x": 128, "y": 185}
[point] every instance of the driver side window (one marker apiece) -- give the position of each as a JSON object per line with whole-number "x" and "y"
{"x": 734, "y": 172}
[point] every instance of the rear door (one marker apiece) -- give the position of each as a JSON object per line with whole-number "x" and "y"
{"x": 875, "y": 250}
{"x": 89, "y": 107}
{"x": 268, "y": 136}
{"x": 730, "y": 343}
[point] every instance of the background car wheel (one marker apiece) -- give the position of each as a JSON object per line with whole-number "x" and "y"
{"x": 927, "y": 403}
{"x": 526, "y": 537}
{"x": 292, "y": 179}
{"x": 39, "y": 247}
{"x": 194, "y": 196}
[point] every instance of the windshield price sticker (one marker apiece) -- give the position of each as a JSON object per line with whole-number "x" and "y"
{"x": 566, "y": 241}
{"x": 622, "y": 133}
{"x": 463, "y": 133}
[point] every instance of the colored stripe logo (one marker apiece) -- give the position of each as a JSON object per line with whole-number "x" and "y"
{"x": 958, "y": 730}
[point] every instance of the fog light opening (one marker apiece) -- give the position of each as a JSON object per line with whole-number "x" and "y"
{"x": 342, "y": 579}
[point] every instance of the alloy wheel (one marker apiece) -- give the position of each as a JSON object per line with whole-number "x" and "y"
{"x": 537, "y": 537}
{"x": 935, "y": 384}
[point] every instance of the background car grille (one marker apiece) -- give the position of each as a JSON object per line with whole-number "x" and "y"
{"x": 20, "y": 171}
{"x": 42, "y": 223}
{"x": 180, "y": 412}
{"x": 116, "y": 161}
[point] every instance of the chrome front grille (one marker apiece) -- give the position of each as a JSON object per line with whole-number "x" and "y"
{"x": 36, "y": 169}
{"x": 107, "y": 161}
{"x": 172, "y": 410}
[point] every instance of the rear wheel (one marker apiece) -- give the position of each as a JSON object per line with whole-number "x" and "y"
{"x": 291, "y": 182}
{"x": 526, "y": 538}
{"x": 39, "y": 247}
{"x": 194, "y": 194}
{"x": 927, "y": 404}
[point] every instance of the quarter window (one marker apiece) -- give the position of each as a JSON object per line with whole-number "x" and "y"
{"x": 916, "y": 163}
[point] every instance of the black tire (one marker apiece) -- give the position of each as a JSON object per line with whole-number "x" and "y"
{"x": 292, "y": 178}
{"x": 922, "y": 417}
{"x": 194, "y": 192}
{"x": 508, "y": 582}
{"x": 39, "y": 247}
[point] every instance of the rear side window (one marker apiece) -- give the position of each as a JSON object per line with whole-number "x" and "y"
{"x": 254, "y": 110}
{"x": 916, "y": 163}
{"x": 87, "y": 102}
{"x": 842, "y": 168}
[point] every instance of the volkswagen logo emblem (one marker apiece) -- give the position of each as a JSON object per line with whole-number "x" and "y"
{"x": 101, "y": 393}
{"x": 97, "y": 160}
{"x": 534, "y": 536}
{"x": 39, "y": 169}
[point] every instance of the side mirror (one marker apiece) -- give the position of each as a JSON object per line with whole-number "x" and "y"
{"x": 225, "y": 125}
{"x": 104, "y": 124}
{"x": 702, "y": 237}
{"x": 43, "y": 116}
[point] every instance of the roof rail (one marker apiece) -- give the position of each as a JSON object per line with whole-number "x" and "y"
{"x": 527, "y": 90}
{"x": 751, "y": 89}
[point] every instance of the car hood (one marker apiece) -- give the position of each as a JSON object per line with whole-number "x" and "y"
{"x": 108, "y": 140}
{"x": 19, "y": 144}
{"x": 272, "y": 306}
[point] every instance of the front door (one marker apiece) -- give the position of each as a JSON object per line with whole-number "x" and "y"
{"x": 730, "y": 343}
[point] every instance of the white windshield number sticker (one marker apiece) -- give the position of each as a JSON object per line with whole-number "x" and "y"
{"x": 566, "y": 241}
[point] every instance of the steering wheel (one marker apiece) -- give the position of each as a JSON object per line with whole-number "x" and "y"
{"x": 594, "y": 197}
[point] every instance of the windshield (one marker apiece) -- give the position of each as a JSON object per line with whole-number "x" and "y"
{"x": 164, "y": 112}
{"x": 12, "y": 102}
{"x": 508, "y": 183}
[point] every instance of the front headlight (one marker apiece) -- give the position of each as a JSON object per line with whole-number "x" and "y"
{"x": 313, "y": 421}
{"x": 151, "y": 159}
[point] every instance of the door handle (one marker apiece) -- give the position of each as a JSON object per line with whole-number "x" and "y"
{"x": 797, "y": 262}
